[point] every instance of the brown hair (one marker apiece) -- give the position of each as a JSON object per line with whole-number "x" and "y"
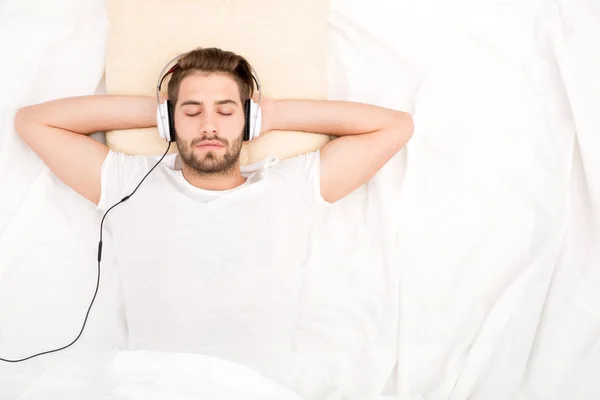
{"x": 213, "y": 60}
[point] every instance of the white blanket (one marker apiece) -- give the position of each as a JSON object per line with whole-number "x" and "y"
{"x": 153, "y": 376}
{"x": 444, "y": 263}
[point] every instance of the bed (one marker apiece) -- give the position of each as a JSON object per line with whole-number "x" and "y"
{"x": 475, "y": 258}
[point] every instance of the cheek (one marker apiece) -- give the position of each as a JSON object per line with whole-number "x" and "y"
{"x": 184, "y": 127}
{"x": 231, "y": 127}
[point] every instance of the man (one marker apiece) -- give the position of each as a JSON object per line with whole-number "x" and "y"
{"x": 209, "y": 257}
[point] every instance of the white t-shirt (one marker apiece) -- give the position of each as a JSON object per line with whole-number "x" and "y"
{"x": 211, "y": 272}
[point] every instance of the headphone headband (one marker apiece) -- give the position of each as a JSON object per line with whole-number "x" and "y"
{"x": 163, "y": 75}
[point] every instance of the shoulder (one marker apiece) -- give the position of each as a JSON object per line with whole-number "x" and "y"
{"x": 302, "y": 174}
{"x": 297, "y": 165}
{"x": 133, "y": 162}
{"x": 122, "y": 172}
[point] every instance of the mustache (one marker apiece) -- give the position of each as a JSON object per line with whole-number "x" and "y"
{"x": 199, "y": 140}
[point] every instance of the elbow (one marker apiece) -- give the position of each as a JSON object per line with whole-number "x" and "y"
{"x": 23, "y": 120}
{"x": 409, "y": 125}
{"x": 20, "y": 121}
{"x": 404, "y": 127}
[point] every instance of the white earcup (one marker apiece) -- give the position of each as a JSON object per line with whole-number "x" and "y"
{"x": 162, "y": 121}
{"x": 255, "y": 119}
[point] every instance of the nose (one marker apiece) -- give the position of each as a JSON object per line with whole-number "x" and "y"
{"x": 208, "y": 125}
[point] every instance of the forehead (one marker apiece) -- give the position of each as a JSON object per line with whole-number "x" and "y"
{"x": 203, "y": 86}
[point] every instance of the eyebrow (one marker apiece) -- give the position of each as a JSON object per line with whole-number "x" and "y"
{"x": 199, "y": 103}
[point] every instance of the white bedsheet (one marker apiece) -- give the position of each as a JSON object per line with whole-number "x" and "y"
{"x": 47, "y": 233}
{"x": 443, "y": 263}
{"x": 565, "y": 361}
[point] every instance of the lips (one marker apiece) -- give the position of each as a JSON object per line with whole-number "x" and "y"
{"x": 211, "y": 144}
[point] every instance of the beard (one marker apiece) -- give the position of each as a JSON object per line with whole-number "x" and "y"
{"x": 211, "y": 163}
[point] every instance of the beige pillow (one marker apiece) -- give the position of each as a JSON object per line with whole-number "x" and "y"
{"x": 284, "y": 40}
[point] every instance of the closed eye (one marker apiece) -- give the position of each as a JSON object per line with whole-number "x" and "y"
{"x": 198, "y": 113}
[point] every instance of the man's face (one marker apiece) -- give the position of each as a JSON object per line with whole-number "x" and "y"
{"x": 209, "y": 123}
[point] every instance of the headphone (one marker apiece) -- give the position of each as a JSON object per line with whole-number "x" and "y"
{"x": 166, "y": 128}
{"x": 165, "y": 118}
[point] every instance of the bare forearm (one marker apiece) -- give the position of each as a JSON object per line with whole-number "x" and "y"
{"x": 337, "y": 118}
{"x": 89, "y": 114}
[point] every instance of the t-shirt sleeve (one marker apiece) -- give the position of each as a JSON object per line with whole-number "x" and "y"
{"x": 304, "y": 173}
{"x": 120, "y": 173}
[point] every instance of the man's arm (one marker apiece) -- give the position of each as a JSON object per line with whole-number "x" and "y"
{"x": 57, "y": 132}
{"x": 372, "y": 135}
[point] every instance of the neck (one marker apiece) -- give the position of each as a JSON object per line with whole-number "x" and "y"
{"x": 226, "y": 180}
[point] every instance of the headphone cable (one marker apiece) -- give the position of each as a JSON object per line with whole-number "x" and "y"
{"x": 98, "y": 274}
